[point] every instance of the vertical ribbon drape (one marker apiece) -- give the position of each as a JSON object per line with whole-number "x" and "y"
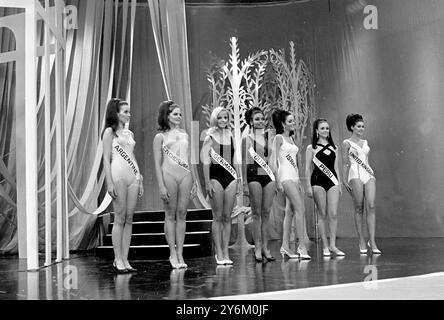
{"x": 169, "y": 28}
{"x": 93, "y": 57}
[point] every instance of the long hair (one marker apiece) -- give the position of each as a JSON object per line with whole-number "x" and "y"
{"x": 352, "y": 119}
{"x": 315, "y": 138}
{"x": 249, "y": 114}
{"x": 165, "y": 108}
{"x": 278, "y": 117}
{"x": 111, "y": 116}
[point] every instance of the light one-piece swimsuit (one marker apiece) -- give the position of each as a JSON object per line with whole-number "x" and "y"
{"x": 177, "y": 143}
{"x": 287, "y": 156}
{"x": 356, "y": 171}
{"x": 120, "y": 169}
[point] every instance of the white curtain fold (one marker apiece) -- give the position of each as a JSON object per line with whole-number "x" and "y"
{"x": 169, "y": 28}
{"x": 93, "y": 55}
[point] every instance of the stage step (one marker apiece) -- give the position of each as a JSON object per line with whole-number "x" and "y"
{"x": 159, "y": 238}
{"x": 192, "y": 214}
{"x": 158, "y": 226}
{"x": 148, "y": 240}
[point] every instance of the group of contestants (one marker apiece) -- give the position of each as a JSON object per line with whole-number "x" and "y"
{"x": 270, "y": 164}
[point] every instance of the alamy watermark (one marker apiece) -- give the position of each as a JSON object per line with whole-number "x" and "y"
{"x": 70, "y": 21}
{"x": 371, "y": 17}
{"x": 70, "y": 278}
{"x": 370, "y": 282}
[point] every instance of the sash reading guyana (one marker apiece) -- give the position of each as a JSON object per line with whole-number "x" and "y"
{"x": 261, "y": 162}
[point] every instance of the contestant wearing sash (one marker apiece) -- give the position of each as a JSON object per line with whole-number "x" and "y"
{"x": 359, "y": 180}
{"x": 123, "y": 178}
{"x": 260, "y": 178}
{"x": 174, "y": 177}
{"x": 285, "y": 168}
{"x": 324, "y": 184}
{"x": 222, "y": 179}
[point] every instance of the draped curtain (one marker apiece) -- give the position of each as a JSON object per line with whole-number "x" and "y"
{"x": 8, "y": 217}
{"x": 170, "y": 34}
{"x": 98, "y": 67}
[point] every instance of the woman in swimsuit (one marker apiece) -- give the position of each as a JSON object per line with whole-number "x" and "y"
{"x": 285, "y": 169}
{"x": 260, "y": 182}
{"x": 359, "y": 180}
{"x": 324, "y": 185}
{"x": 173, "y": 173}
{"x": 222, "y": 179}
{"x": 123, "y": 178}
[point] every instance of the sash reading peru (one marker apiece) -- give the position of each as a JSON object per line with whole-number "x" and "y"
{"x": 127, "y": 159}
{"x": 178, "y": 160}
{"x": 261, "y": 162}
{"x": 325, "y": 170}
{"x": 361, "y": 163}
{"x": 220, "y": 160}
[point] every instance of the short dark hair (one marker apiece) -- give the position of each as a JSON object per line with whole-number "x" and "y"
{"x": 165, "y": 108}
{"x": 352, "y": 119}
{"x": 250, "y": 113}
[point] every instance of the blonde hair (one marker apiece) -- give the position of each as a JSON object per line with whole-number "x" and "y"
{"x": 214, "y": 115}
{"x": 213, "y": 120}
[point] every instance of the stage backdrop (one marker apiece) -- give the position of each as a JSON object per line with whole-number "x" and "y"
{"x": 391, "y": 75}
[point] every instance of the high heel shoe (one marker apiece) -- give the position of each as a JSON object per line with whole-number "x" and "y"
{"x": 303, "y": 256}
{"x": 290, "y": 255}
{"x": 131, "y": 269}
{"x": 267, "y": 258}
{"x": 326, "y": 252}
{"x": 117, "y": 270}
{"x": 219, "y": 262}
{"x": 362, "y": 251}
{"x": 337, "y": 252}
{"x": 256, "y": 258}
{"x": 374, "y": 251}
{"x": 174, "y": 265}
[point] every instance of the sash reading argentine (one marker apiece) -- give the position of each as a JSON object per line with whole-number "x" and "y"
{"x": 127, "y": 159}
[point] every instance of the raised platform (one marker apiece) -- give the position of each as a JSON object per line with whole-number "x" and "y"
{"x": 148, "y": 241}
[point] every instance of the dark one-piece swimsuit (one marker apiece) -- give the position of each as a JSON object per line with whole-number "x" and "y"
{"x": 254, "y": 171}
{"x": 217, "y": 172}
{"x": 318, "y": 178}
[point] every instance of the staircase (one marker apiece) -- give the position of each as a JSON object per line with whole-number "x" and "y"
{"x": 148, "y": 241}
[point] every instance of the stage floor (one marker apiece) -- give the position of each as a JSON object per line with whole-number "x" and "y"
{"x": 85, "y": 276}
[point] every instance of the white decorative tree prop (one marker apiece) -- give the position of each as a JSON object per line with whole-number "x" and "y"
{"x": 244, "y": 79}
{"x": 239, "y": 85}
{"x": 237, "y": 96}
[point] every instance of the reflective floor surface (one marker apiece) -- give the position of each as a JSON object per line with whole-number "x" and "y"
{"x": 84, "y": 276}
